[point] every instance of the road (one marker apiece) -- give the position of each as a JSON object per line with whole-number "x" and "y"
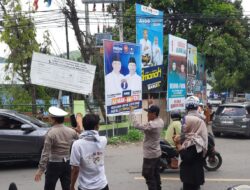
{"x": 123, "y": 168}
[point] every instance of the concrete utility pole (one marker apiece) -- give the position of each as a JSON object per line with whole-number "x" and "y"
{"x": 120, "y": 22}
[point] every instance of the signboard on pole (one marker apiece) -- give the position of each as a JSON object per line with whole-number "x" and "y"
{"x": 177, "y": 73}
{"x": 123, "y": 84}
{"x": 191, "y": 68}
{"x": 62, "y": 74}
{"x": 149, "y": 34}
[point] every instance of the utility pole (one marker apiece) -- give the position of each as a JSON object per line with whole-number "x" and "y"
{"x": 120, "y": 22}
{"x": 59, "y": 102}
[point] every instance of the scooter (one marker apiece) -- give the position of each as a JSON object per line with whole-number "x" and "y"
{"x": 169, "y": 157}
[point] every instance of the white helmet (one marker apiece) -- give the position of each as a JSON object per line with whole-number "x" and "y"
{"x": 192, "y": 102}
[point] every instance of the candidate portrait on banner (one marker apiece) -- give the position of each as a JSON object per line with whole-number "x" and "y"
{"x": 123, "y": 82}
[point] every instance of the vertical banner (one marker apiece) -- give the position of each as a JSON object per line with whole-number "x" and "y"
{"x": 200, "y": 82}
{"x": 177, "y": 73}
{"x": 123, "y": 83}
{"x": 191, "y": 69}
{"x": 149, "y": 34}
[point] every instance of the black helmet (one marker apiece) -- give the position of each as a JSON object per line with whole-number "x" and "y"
{"x": 175, "y": 115}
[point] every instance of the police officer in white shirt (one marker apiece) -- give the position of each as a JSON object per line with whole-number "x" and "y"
{"x": 114, "y": 80}
{"x": 87, "y": 157}
{"x": 133, "y": 79}
{"x": 146, "y": 49}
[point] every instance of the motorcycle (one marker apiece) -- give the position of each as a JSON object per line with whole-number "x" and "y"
{"x": 169, "y": 157}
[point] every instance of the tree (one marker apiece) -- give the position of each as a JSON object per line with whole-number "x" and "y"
{"x": 19, "y": 34}
{"x": 86, "y": 47}
{"x": 217, "y": 27}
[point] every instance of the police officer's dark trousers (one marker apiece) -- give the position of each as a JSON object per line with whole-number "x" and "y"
{"x": 55, "y": 171}
{"x": 151, "y": 173}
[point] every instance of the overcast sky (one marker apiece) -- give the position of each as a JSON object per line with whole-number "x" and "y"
{"x": 58, "y": 34}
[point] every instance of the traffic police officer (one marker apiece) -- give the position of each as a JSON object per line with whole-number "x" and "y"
{"x": 56, "y": 152}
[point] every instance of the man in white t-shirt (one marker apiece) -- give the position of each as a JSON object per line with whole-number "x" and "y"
{"x": 133, "y": 79}
{"x": 114, "y": 80}
{"x": 157, "y": 55}
{"x": 146, "y": 49}
{"x": 87, "y": 157}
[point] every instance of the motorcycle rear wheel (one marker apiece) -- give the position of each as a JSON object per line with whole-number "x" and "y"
{"x": 214, "y": 164}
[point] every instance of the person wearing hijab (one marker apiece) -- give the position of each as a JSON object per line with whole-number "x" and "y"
{"x": 87, "y": 157}
{"x": 192, "y": 146}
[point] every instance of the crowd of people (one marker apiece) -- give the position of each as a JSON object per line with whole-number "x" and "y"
{"x": 73, "y": 153}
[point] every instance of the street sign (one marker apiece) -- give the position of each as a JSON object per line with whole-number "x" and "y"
{"x": 99, "y": 37}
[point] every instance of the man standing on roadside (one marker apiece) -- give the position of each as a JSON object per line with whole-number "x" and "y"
{"x": 87, "y": 157}
{"x": 56, "y": 152}
{"x": 151, "y": 146}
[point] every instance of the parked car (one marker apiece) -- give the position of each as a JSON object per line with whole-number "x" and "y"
{"x": 232, "y": 118}
{"x": 21, "y": 137}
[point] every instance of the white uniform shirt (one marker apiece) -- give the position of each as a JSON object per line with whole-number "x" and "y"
{"x": 134, "y": 82}
{"x": 157, "y": 56}
{"x": 146, "y": 43}
{"x": 113, "y": 83}
{"x": 88, "y": 154}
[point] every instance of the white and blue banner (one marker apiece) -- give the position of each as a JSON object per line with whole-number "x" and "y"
{"x": 149, "y": 34}
{"x": 123, "y": 82}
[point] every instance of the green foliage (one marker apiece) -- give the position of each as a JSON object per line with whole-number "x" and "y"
{"x": 19, "y": 34}
{"x": 17, "y": 98}
{"x": 132, "y": 136}
{"x": 217, "y": 27}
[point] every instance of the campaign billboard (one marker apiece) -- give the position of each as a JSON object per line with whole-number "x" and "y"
{"x": 123, "y": 83}
{"x": 62, "y": 74}
{"x": 200, "y": 86}
{"x": 191, "y": 69}
{"x": 149, "y": 34}
{"x": 177, "y": 73}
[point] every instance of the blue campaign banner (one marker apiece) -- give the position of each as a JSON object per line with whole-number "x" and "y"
{"x": 123, "y": 82}
{"x": 149, "y": 34}
{"x": 177, "y": 73}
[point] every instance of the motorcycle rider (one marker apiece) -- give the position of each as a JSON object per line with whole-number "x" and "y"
{"x": 175, "y": 125}
{"x": 192, "y": 146}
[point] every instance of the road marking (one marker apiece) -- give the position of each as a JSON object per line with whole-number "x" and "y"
{"x": 207, "y": 179}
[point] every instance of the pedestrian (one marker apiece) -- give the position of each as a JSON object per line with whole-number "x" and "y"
{"x": 87, "y": 157}
{"x": 151, "y": 146}
{"x": 56, "y": 152}
{"x": 12, "y": 186}
{"x": 192, "y": 146}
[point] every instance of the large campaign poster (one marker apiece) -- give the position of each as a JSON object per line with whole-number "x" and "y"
{"x": 123, "y": 83}
{"x": 200, "y": 86}
{"x": 192, "y": 69}
{"x": 149, "y": 34}
{"x": 177, "y": 73}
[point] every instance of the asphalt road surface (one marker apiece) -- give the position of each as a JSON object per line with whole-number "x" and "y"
{"x": 123, "y": 168}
